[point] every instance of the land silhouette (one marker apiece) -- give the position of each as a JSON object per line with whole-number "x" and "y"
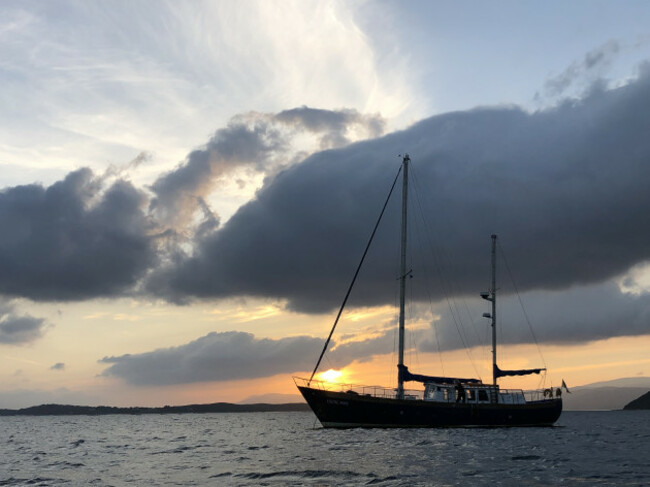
{"x": 219, "y": 407}
{"x": 625, "y": 393}
{"x": 642, "y": 402}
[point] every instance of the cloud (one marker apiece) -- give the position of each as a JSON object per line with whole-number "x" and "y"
{"x": 74, "y": 239}
{"x": 336, "y": 127}
{"x": 564, "y": 187}
{"x": 579, "y": 314}
{"x": 383, "y": 342}
{"x": 235, "y": 355}
{"x": 58, "y": 366}
{"x": 19, "y": 330}
{"x": 246, "y": 141}
{"x": 589, "y": 69}
{"x": 261, "y": 142}
{"x": 96, "y": 236}
{"x": 216, "y": 357}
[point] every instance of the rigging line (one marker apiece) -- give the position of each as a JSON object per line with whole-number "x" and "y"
{"x": 434, "y": 328}
{"x": 396, "y": 264}
{"x": 363, "y": 257}
{"x": 414, "y": 357}
{"x": 392, "y": 371}
{"x": 412, "y": 345}
{"x": 446, "y": 287}
{"x": 448, "y": 292}
{"x": 427, "y": 283}
{"x": 521, "y": 303}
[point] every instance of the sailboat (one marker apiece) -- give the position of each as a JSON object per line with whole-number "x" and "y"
{"x": 442, "y": 401}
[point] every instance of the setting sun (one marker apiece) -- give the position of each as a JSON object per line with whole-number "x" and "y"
{"x": 331, "y": 375}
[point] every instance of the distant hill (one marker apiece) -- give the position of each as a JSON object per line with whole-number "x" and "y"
{"x": 606, "y": 395}
{"x": 220, "y": 407}
{"x": 273, "y": 399}
{"x": 642, "y": 382}
{"x": 642, "y": 402}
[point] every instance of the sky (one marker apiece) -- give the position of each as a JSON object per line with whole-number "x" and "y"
{"x": 186, "y": 189}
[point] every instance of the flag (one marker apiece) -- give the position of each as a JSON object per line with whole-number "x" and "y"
{"x": 565, "y": 387}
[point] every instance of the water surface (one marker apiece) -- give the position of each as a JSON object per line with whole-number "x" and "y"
{"x": 585, "y": 448}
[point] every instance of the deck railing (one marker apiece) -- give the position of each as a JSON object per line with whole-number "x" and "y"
{"x": 542, "y": 394}
{"x": 362, "y": 390}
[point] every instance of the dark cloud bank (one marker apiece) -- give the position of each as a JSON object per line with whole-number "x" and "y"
{"x": 566, "y": 189}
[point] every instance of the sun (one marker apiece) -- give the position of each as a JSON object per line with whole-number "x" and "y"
{"x": 331, "y": 375}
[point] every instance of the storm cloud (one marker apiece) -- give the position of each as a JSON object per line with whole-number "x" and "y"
{"x": 74, "y": 239}
{"x": 566, "y": 189}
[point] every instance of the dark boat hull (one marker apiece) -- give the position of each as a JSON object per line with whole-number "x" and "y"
{"x": 350, "y": 410}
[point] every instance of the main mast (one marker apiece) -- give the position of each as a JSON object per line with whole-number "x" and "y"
{"x": 493, "y": 296}
{"x": 402, "y": 279}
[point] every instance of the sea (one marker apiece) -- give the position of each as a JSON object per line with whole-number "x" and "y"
{"x": 292, "y": 449}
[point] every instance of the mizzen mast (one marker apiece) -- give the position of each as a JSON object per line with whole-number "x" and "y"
{"x": 491, "y": 296}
